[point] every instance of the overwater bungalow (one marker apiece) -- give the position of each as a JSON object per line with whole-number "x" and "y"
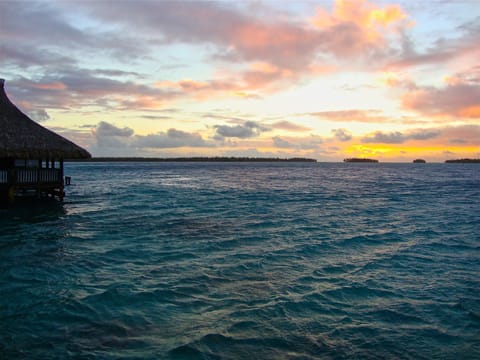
{"x": 31, "y": 156}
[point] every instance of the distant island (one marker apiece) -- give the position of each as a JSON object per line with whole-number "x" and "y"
{"x": 193, "y": 159}
{"x": 419, "y": 161}
{"x": 361, "y": 160}
{"x": 463, "y": 161}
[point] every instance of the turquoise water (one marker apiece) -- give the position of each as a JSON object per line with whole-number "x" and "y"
{"x": 246, "y": 261}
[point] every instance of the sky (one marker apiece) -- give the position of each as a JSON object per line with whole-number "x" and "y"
{"x": 328, "y": 80}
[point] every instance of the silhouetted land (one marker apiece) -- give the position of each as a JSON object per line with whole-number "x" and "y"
{"x": 194, "y": 159}
{"x": 361, "y": 160}
{"x": 419, "y": 161}
{"x": 463, "y": 161}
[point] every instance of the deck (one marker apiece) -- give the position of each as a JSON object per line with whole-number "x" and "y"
{"x": 23, "y": 181}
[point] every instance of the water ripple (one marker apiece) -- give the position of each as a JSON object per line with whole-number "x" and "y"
{"x": 241, "y": 261}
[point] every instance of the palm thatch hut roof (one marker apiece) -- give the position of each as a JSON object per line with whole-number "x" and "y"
{"x": 23, "y": 138}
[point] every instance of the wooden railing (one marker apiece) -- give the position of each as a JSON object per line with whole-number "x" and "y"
{"x": 31, "y": 177}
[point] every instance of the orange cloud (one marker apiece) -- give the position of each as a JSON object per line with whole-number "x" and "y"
{"x": 51, "y": 86}
{"x": 283, "y": 44}
{"x": 470, "y": 111}
{"x": 393, "y": 79}
{"x": 367, "y": 23}
{"x": 141, "y": 102}
{"x": 458, "y": 96}
{"x": 203, "y": 89}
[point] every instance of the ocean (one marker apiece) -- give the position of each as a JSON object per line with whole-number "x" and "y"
{"x": 246, "y": 261}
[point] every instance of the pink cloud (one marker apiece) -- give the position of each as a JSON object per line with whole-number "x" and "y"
{"x": 457, "y": 100}
{"x": 51, "y": 86}
{"x": 356, "y": 27}
{"x": 353, "y": 115}
{"x": 458, "y": 96}
{"x": 353, "y": 28}
{"x": 82, "y": 88}
{"x": 287, "y": 125}
{"x": 269, "y": 51}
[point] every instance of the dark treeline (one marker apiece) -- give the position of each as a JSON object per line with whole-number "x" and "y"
{"x": 463, "y": 161}
{"x": 193, "y": 159}
{"x": 360, "y": 160}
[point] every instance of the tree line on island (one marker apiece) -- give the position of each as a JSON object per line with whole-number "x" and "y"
{"x": 196, "y": 159}
{"x": 242, "y": 159}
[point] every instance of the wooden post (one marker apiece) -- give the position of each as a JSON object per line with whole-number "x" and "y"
{"x": 11, "y": 181}
{"x": 39, "y": 170}
{"x": 62, "y": 193}
{"x": 11, "y": 195}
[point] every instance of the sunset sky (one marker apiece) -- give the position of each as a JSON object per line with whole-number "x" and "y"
{"x": 392, "y": 81}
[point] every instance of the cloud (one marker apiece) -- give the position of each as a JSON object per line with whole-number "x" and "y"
{"x": 32, "y": 57}
{"x": 109, "y": 136}
{"x": 311, "y": 142}
{"x": 80, "y": 88}
{"x": 42, "y": 33}
{"x": 397, "y": 137}
{"x": 354, "y": 115}
{"x": 115, "y": 138}
{"x": 342, "y": 134}
{"x": 245, "y": 83}
{"x": 458, "y": 96}
{"x": 237, "y": 35}
{"x": 229, "y": 87}
{"x": 104, "y": 129}
{"x": 172, "y": 138}
{"x": 356, "y": 27}
{"x": 39, "y": 115}
{"x": 281, "y": 143}
{"x": 462, "y": 134}
{"x": 443, "y": 49}
{"x": 458, "y": 99}
{"x": 246, "y": 130}
{"x": 458, "y": 141}
{"x": 264, "y": 51}
{"x": 287, "y": 125}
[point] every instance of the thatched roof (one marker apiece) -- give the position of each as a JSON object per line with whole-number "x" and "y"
{"x": 21, "y": 137}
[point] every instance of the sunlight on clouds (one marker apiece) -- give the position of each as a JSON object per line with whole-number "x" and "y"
{"x": 389, "y": 78}
{"x": 329, "y": 79}
{"x": 373, "y": 22}
{"x": 470, "y": 112}
{"x": 51, "y": 86}
{"x": 452, "y": 80}
{"x": 408, "y": 153}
